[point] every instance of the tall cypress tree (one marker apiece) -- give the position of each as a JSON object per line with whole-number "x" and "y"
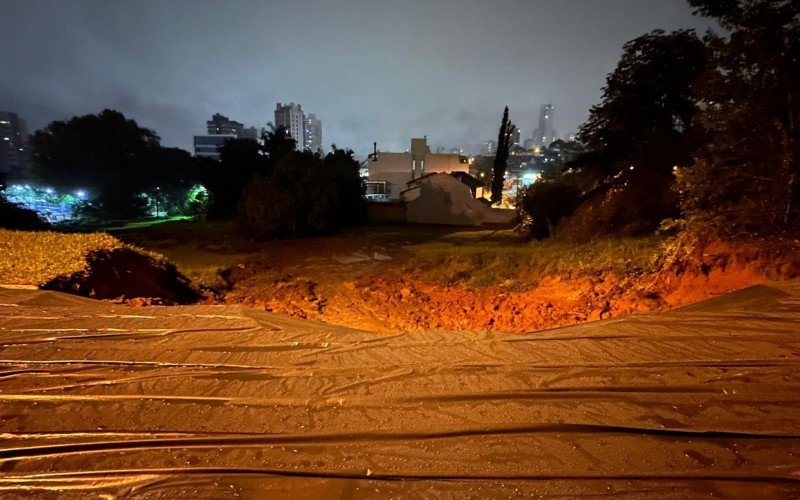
{"x": 501, "y": 157}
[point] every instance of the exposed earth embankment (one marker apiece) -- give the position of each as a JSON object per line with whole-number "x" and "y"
{"x": 400, "y": 278}
{"x": 386, "y": 295}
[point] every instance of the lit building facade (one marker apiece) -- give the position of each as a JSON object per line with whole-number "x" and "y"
{"x": 545, "y": 133}
{"x": 13, "y": 145}
{"x": 393, "y": 171}
{"x": 313, "y": 133}
{"x": 221, "y": 125}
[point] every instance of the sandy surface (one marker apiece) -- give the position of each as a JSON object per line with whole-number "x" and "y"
{"x": 224, "y": 401}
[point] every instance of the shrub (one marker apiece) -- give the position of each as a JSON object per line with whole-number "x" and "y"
{"x": 15, "y": 217}
{"x": 266, "y": 210}
{"x": 543, "y": 204}
{"x": 633, "y": 207}
{"x": 305, "y": 194}
{"x": 740, "y": 184}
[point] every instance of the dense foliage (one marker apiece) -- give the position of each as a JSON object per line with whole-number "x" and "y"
{"x": 542, "y": 205}
{"x": 15, "y": 217}
{"x": 240, "y": 160}
{"x": 301, "y": 193}
{"x": 745, "y": 179}
{"x": 703, "y": 129}
{"x": 111, "y": 156}
{"x": 645, "y": 117}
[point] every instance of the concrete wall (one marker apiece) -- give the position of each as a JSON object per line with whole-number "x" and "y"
{"x": 386, "y": 211}
{"x": 445, "y": 163}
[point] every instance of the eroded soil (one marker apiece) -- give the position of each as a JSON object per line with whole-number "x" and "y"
{"x": 351, "y": 284}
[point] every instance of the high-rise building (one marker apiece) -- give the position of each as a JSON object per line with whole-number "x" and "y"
{"x": 13, "y": 145}
{"x": 209, "y": 146}
{"x": 545, "y": 134}
{"x": 220, "y": 130}
{"x": 291, "y": 117}
{"x": 221, "y": 125}
{"x": 249, "y": 133}
{"x": 515, "y": 139}
{"x": 313, "y": 133}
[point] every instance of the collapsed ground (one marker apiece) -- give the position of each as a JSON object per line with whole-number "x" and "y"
{"x": 397, "y": 278}
{"x": 410, "y": 278}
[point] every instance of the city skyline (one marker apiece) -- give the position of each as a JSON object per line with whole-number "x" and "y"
{"x": 399, "y": 77}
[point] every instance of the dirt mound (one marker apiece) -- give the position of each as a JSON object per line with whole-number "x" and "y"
{"x": 127, "y": 274}
{"x": 389, "y": 299}
{"x": 393, "y": 302}
{"x": 696, "y": 269}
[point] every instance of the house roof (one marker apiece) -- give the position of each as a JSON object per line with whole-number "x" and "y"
{"x": 467, "y": 179}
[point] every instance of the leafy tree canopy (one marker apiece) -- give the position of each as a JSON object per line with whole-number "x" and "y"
{"x": 645, "y": 117}
{"x": 93, "y": 150}
{"x": 113, "y": 157}
{"x": 746, "y": 177}
{"x": 302, "y": 193}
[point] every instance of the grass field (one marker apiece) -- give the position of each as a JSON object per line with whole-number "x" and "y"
{"x": 33, "y": 258}
{"x": 446, "y": 255}
{"x": 492, "y": 258}
{"x": 200, "y": 250}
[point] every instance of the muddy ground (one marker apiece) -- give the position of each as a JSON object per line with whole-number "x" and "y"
{"x": 371, "y": 286}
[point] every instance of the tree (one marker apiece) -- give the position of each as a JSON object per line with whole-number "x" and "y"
{"x": 240, "y": 160}
{"x": 343, "y": 172}
{"x": 746, "y": 178}
{"x": 504, "y": 141}
{"x": 106, "y": 153}
{"x": 302, "y": 193}
{"x": 643, "y": 128}
{"x": 543, "y": 204}
{"x": 645, "y": 117}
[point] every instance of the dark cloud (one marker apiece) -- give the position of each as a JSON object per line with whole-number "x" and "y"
{"x": 371, "y": 70}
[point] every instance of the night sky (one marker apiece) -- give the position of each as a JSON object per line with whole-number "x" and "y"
{"x": 370, "y": 69}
